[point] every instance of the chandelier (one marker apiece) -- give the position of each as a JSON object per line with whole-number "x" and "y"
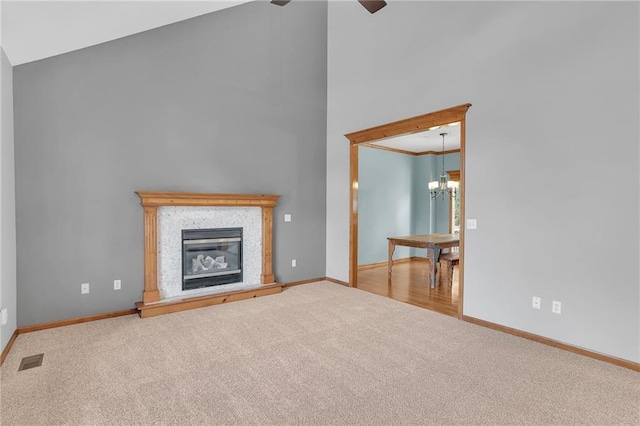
{"x": 443, "y": 186}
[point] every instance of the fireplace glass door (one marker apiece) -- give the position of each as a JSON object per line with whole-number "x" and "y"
{"x": 211, "y": 257}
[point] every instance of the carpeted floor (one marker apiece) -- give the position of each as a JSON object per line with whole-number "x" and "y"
{"x": 319, "y": 354}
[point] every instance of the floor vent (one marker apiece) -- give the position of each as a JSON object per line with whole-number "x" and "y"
{"x": 31, "y": 362}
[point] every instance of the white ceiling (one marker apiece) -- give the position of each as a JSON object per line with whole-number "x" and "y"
{"x": 430, "y": 140}
{"x": 33, "y": 30}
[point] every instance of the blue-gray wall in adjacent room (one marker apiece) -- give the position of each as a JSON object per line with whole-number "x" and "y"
{"x": 233, "y": 101}
{"x": 423, "y": 172}
{"x": 384, "y": 202}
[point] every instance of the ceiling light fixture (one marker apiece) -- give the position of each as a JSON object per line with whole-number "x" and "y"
{"x": 443, "y": 186}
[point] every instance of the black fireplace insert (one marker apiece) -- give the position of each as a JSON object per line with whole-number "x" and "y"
{"x": 211, "y": 257}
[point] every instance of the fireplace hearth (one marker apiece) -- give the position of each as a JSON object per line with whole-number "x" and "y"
{"x": 211, "y": 257}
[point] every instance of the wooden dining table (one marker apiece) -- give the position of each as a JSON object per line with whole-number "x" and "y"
{"x": 431, "y": 242}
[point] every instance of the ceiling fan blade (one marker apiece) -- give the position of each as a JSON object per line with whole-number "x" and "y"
{"x": 373, "y": 5}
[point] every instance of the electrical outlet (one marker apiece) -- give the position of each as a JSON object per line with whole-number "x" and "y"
{"x": 535, "y": 303}
{"x": 556, "y": 307}
{"x": 472, "y": 224}
{"x": 84, "y": 288}
{"x": 117, "y": 284}
{"x": 287, "y": 217}
{"x": 4, "y": 313}
{"x": 294, "y": 263}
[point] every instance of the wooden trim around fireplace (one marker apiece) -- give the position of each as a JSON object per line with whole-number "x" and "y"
{"x": 150, "y": 201}
{"x": 204, "y": 199}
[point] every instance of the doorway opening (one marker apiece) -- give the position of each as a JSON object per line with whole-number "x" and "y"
{"x": 408, "y": 126}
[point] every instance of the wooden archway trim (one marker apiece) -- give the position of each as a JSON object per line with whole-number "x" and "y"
{"x": 407, "y": 126}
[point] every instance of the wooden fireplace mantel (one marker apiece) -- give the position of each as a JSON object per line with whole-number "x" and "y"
{"x": 152, "y": 200}
{"x": 156, "y": 199}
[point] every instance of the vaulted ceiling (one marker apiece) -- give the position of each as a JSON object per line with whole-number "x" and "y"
{"x": 33, "y": 30}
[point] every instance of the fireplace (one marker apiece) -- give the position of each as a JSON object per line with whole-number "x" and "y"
{"x": 166, "y": 214}
{"x": 211, "y": 257}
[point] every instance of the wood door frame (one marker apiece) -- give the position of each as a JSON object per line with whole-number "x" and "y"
{"x": 416, "y": 124}
{"x": 455, "y": 176}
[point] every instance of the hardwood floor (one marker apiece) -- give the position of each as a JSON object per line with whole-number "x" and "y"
{"x": 410, "y": 283}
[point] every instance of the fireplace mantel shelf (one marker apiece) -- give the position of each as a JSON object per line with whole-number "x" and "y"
{"x": 149, "y": 199}
{"x": 151, "y": 303}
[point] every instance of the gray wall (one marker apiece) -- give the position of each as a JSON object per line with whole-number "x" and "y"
{"x": 7, "y": 204}
{"x": 555, "y": 115}
{"x": 233, "y": 101}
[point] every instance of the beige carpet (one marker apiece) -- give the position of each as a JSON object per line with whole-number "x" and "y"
{"x": 316, "y": 354}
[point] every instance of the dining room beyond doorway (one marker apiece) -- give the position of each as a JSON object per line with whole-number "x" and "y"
{"x": 401, "y": 196}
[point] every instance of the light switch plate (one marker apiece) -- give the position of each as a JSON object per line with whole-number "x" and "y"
{"x": 287, "y": 217}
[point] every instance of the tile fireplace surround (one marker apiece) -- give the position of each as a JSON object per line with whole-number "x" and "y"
{"x": 226, "y": 206}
